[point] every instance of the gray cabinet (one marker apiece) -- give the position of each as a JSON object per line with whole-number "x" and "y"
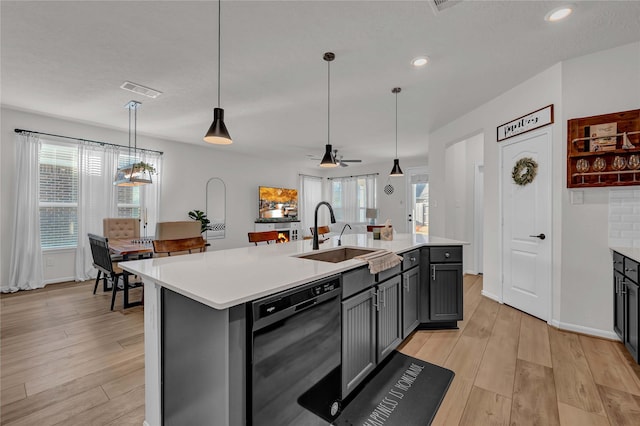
{"x": 441, "y": 292}
{"x": 358, "y": 339}
{"x": 371, "y": 330}
{"x": 389, "y": 322}
{"x": 445, "y": 292}
{"x": 410, "y": 301}
{"x": 626, "y": 323}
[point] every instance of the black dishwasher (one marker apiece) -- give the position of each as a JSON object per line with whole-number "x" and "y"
{"x": 293, "y": 374}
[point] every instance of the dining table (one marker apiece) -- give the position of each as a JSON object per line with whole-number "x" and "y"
{"x": 131, "y": 248}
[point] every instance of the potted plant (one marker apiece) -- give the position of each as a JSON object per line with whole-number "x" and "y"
{"x": 202, "y": 218}
{"x": 141, "y": 166}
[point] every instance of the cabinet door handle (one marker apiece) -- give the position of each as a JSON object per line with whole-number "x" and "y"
{"x": 406, "y": 284}
{"x": 412, "y": 259}
{"x": 376, "y": 302}
{"x": 629, "y": 270}
{"x": 433, "y": 272}
{"x": 384, "y": 297}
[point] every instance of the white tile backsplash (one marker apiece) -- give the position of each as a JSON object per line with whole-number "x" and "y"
{"x": 624, "y": 218}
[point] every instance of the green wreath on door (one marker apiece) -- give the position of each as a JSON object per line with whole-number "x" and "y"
{"x": 524, "y": 171}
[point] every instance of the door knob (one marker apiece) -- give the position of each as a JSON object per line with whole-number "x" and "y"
{"x": 541, "y": 236}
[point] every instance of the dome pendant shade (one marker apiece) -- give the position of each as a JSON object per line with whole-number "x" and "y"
{"x": 328, "y": 160}
{"x": 397, "y": 171}
{"x": 218, "y": 133}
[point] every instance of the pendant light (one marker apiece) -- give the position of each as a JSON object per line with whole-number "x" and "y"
{"x": 328, "y": 160}
{"x": 218, "y": 133}
{"x": 136, "y": 173}
{"x": 396, "y": 171}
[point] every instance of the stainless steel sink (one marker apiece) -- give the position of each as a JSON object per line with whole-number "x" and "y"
{"x": 337, "y": 255}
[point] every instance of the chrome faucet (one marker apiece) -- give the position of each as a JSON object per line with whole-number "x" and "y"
{"x": 340, "y": 237}
{"x": 316, "y": 244}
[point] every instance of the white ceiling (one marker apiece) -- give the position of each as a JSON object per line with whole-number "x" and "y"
{"x": 68, "y": 59}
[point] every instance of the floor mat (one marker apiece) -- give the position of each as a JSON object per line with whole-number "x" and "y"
{"x": 405, "y": 392}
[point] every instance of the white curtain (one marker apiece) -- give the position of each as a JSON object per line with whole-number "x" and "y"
{"x": 150, "y": 194}
{"x": 352, "y": 195}
{"x": 310, "y": 196}
{"x": 97, "y": 198}
{"x": 26, "y": 271}
{"x": 350, "y": 199}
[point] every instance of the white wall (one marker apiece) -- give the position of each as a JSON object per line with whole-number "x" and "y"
{"x": 460, "y": 161}
{"x": 186, "y": 169}
{"x": 603, "y": 82}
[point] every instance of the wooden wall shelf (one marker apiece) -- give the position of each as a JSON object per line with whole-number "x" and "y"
{"x": 578, "y": 147}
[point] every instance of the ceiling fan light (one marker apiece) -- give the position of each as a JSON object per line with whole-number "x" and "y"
{"x": 328, "y": 160}
{"x": 218, "y": 133}
{"x": 396, "y": 171}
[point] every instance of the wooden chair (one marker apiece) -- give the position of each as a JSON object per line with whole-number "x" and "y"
{"x": 256, "y": 237}
{"x": 111, "y": 272}
{"x": 321, "y": 230}
{"x": 178, "y": 230}
{"x": 179, "y": 246}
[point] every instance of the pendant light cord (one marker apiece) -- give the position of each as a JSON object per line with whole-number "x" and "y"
{"x": 396, "y": 124}
{"x": 219, "y": 20}
{"x": 328, "y": 101}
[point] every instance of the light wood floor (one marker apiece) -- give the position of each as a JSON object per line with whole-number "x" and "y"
{"x": 68, "y": 360}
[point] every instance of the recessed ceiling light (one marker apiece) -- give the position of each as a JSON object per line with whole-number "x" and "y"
{"x": 420, "y": 61}
{"x": 559, "y": 13}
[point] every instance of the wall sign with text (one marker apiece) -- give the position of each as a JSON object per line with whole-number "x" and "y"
{"x": 526, "y": 123}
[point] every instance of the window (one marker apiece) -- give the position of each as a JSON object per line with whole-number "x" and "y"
{"x": 128, "y": 196}
{"x": 59, "y": 177}
{"x": 58, "y": 195}
{"x": 351, "y": 196}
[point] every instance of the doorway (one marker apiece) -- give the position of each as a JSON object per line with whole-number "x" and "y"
{"x": 478, "y": 216}
{"x": 418, "y": 201}
{"x": 526, "y": 218}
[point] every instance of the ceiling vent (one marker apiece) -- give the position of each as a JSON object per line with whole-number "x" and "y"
{"x": 440, "y": 5}
{"x": 136, "y": 88}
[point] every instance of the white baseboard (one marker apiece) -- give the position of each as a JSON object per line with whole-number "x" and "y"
{"x": 491, "y": 296}
{"x": 58, "y": 280}
{"x": 596, "y": 332}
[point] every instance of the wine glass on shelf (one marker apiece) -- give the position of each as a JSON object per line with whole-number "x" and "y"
{"x": 599, "y": 165}
{"x": 634, "y": 164}
{"x": 582, "y": 165}
{"x": 618, "y": 164}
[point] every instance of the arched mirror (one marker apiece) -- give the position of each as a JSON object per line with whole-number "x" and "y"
{"x": 216, "y": 205}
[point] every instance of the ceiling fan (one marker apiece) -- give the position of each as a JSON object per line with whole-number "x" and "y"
{"x": 338, "y": 159}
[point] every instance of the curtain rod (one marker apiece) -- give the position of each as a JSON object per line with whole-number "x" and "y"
{"x": 352, "y": 176}
{"x": 84, "y": 140}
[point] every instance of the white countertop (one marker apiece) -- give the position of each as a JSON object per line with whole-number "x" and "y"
{"x": 630, "y": 252}
{"x": 225, "y": 278}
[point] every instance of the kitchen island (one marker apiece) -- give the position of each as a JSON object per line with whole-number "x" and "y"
{"x": 214, "y": 287}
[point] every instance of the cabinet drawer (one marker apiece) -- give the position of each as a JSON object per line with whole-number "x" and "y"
{"x": 410, "y": 259}
{"x": 618, "y": 262}
{"x": 388, "y": 273}
{"x": 445, "y": 254}
{"x": 356, "y": 280}
{"x": 631, "y": 269}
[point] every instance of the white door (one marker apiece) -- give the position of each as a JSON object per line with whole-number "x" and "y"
{"x": 526, "y": 230}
